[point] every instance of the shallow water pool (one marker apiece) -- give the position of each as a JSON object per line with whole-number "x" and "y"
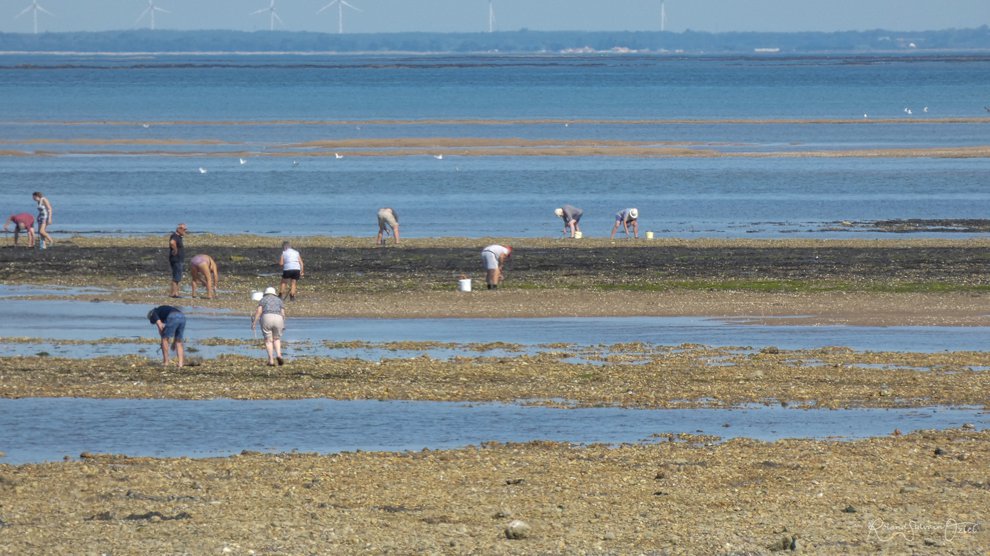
{"x": 47, "y": 429}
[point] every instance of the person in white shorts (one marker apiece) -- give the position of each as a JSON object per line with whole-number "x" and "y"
{"x": 271, "y": 313}
{"x": 388, "y": 221}
{"x": 494, "y": 257}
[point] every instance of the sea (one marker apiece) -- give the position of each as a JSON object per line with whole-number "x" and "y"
{"x": 244, "y": 143}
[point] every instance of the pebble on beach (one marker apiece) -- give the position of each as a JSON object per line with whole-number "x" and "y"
{"x": 517, "y": 529}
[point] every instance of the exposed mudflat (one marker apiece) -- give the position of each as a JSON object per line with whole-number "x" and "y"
{"x": 635, "y": 376}
{"x": 855, "y": 282}
{"x": 923, "y": 493}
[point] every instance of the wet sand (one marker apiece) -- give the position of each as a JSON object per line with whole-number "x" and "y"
{"x": 635, "y": 376}
{"x": 923, "y": 493}
{"x": 890, "y": 282}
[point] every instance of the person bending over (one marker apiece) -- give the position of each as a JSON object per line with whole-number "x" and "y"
{"x": 494, "y": 257}
{"x": 388, "y": 221}
{"x": 22, "y": 222}
{"x": 626, "y": 218}
{"x": 204, "y": 271}
{"x": 171, "y": 323}
{"x": 571, "y": 217}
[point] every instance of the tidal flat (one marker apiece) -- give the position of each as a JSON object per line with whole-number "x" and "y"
{"x": 921, "y": 493}
{"x": 926, "y": 492}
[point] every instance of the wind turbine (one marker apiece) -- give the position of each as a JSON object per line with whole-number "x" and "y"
{"x": 34, "y": 7}
{"x": 272, "y": 15}
{"x": 663, "y": 16}
{"x": 340, "y": 12}
{"x": 491, "y": 16}
{"x": 151, "y": 9}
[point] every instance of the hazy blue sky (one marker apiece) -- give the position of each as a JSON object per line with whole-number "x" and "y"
{"x": 472, "y": 15}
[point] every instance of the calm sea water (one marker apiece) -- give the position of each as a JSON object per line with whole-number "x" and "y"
{"x": 59, "y": 105}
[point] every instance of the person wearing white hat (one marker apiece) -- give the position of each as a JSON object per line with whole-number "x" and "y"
{"x": 625, "y": 218}
{"x": 571, "y": 216}
{"x": 271, "y": 314}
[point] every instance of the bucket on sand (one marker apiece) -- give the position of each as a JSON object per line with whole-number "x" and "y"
{"x": 578, "y": 235}
{"x": 464, "y": 285}
{"x": 649, "y": 235}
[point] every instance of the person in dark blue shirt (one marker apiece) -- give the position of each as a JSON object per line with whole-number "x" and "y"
{"x": 171, "y": 323}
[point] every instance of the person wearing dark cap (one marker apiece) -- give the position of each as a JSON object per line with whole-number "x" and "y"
{"x": 171, "y": 323}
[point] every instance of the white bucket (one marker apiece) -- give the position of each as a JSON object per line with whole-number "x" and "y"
{"x": 578, "y": 235}
{"x": 464, "y": 285}
{"x": 256, "y": 296}
{"x": 649, "y": 235}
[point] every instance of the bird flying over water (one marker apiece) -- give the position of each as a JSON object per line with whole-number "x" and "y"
{"x": 202, "y": 170}
{"x": 338, "y": 156}
{"x": 242, "y": 161}
{"x": 438, "y": 156}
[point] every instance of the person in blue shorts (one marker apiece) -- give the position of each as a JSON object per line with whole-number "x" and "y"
{"x": 171, "y": 323}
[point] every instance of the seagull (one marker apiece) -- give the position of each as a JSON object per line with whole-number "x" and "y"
{"x": 987, "y": 108}
{"x": 202, "y": 170}
{"x": 866, "y": 115}
{"x": 338, "y": 156}
{"x": 925, "y": 110}
{"x": 908, "y": 111}
{"x": 295, "y": 163}
{"x": 438, "y": 156}
{"x": 243, "y": 161}
{"x": 145, "y": 126}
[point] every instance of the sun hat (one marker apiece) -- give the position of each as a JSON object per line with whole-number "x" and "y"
{"x": 270, "y": 291}
{"x": 558, "y": 211}
{"x": 633, "y": 213}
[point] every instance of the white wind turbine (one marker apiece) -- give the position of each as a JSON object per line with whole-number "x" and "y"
{"x": 34, "y": 7}
{"x": 663, "y": 15}
{"x": 340, "y": 12}
{"x": 150, "y": 10}
{"x": 272, "y": 15}
{"x": 491, "y": 16}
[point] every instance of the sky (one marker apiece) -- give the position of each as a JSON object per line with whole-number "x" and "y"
{"x": 386, "y": 16}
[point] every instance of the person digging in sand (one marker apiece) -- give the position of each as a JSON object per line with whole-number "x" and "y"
{"x": 626, "y": 218}
{"x": 388, "y": 220}
{"x": 171, "y": 323}
{"x": 204, "y": 271}
{"x": 22, "y": 222}
{"x": 494, "y": 257}
{"x": 571, "y": 216}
